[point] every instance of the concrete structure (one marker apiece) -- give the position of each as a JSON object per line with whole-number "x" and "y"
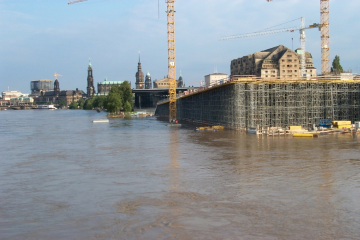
{"x": 244, "y": 103}
{"x": 90, "y": 89}
{"x": 215, "y": 78}
{"x": 277, "y": 62}
{"x": 38, "y": 86}
{"x": 105, "y": 86}
{"x": 21, "y": 101}
{"x": 148, "y": 98}
{"x": 7, "y": 95}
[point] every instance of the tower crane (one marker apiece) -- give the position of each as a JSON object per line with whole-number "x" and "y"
{"x": 292, "y": 29}
{"x": 171, "y": 58}
{"x": 325, "y": 35}
{"x": 57, "y": 75}
{"x": 76, "y": 1}
{"x": 171, "y": 55}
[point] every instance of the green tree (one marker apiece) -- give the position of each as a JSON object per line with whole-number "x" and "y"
{"x": 336, "y": 66}
{"x": 81, "y": 103}
{"x": 88, "y": 105}
{"x": 114, "y": 99}
{"x": 114, "y": 102}
{"x": 127, "y": 107}
{"x": 62, "y": 103}
{"x": 99, "y": 102}
{"x": 125, "y": 88}
{"x": 73, "y": 105}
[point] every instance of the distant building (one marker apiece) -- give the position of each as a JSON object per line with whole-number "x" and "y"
{"x": 139, "y": 77}
{"x": 105, "y": 86}
{"x": 7, "y": 95}
{"x": 38, "y": 86}
{"x": 57, "y": 95}
{"x": 148, "y": 82}
{"x": 164, "y": 83}
{"x": 90, "y": 90}
{"x": 21, "y": 100}
{"x": 215, "y": 78}
{"x": 277, "y": 62}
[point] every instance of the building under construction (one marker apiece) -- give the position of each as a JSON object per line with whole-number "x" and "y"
{"x": 244, "y": 102}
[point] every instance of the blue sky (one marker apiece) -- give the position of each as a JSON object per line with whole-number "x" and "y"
{"x": 40, "y": 37}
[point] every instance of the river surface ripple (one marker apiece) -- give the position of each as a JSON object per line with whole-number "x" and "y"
{"x": 64, "y": 177}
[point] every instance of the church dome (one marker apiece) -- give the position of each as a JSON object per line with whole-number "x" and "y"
{"x": 148, "y": 74}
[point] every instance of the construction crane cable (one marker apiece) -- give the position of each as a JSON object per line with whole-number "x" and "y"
{"x": 279, "y": 24}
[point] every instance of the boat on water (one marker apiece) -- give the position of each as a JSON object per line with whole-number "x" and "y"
{"x": 254, "y": 130}
{"x": 101, "y": 121}
{"x": 50, "y": 107}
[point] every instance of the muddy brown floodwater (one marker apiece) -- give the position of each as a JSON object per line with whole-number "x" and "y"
{"x": 64, "y": 177}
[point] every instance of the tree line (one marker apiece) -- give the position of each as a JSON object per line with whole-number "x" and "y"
{"x": 119, "y": 98}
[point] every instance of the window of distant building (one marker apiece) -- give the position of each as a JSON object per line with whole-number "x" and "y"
{"x": 289, "y": 56}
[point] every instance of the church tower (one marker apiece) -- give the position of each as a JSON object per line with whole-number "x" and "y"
{"x": 148, "y": 83}
{"x": 90, "y": 82}
{"x": 180, "y": 82}
{"x": 56, "y": 88}
{"x": 139, "y": 77}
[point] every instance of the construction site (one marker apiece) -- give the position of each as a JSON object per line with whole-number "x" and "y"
{"x": 244, "y": 103}
{"x": 274, "y": 88}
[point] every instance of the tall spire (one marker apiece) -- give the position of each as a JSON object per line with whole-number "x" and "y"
{"x": 139, "y": 56}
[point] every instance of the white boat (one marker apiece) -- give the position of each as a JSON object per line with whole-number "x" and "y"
{"x": 253, "y": 130}
{"x": 101, "y": 121}
{"x": 46, "y": 107}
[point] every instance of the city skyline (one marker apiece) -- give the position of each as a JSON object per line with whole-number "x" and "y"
{"x": 43, "y": 37}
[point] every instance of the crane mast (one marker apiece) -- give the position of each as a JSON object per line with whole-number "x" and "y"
{"x": 171, "y": 58}
{"x": 325, "y": 36}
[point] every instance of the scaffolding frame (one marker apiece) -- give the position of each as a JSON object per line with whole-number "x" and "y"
{"x": 242, "y": 104}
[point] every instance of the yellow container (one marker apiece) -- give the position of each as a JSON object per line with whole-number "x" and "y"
{"x": 338, "y": 123}
{"x": 295, "y": 128}
{"x": 303, "y": 135}
{"x": 218, "y": 127}
{"x": 344, "y": 126}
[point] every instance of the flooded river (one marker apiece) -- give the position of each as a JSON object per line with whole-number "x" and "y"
{"x": 64, "y": 177}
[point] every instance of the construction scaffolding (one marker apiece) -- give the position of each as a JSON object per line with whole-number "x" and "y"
{"x": 242, "y": 104}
